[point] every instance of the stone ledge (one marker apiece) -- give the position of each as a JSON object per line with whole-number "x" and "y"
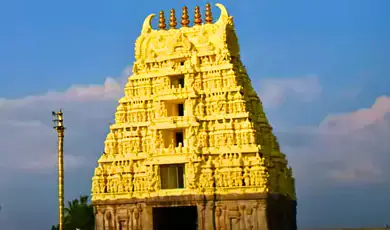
{"x": 193, "y": 198}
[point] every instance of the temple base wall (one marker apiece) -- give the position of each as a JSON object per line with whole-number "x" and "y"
{"x": 228, "y": 212}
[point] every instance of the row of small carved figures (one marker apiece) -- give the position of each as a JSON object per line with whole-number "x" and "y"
{"x": 205, "y": 91}
{"x": 204, "y": 180}
{"x": 155, "y": 80}
{"x": 203, "y": 60}
{"x": 162, "y": 115}
{"x": 232, "y": 103}
{"x": 177, "y": 89}
{"x": 154, "y": 144}
{"x": 229, "y": 95}
{"x": 229, "y": 77}
{"x": 235, "y": 77}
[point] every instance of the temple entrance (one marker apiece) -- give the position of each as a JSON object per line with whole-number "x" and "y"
{"x": 175, "y": 218}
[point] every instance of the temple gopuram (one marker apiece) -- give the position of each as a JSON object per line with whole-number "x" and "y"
{"x": 191, "y": 147}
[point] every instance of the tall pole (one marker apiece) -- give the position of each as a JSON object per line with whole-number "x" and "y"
{"x": 58, "y": 120}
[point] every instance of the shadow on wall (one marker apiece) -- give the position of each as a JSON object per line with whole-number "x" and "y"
{"x": 281, "y": 213}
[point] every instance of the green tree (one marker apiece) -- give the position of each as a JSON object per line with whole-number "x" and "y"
{"x": 78, "y": 215}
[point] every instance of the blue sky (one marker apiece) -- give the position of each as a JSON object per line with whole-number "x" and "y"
{"x": 313, "y": 62}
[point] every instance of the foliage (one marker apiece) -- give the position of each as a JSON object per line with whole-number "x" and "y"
{"x": 78, "y": 215}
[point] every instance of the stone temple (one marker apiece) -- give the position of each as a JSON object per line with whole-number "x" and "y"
{"x": 191, "y": 147}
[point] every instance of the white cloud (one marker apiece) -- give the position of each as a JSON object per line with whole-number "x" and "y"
{"x": 276, "y": 91}
{"x": 346, "y": 143}
{"x": 29, "y": 148}
{"x": 27, "y": 138}
{"x": 347, "y": 148}
{"x": 351, "y": 148}
{"x": 111, "y": 89}
{"x": 357, "y": 120}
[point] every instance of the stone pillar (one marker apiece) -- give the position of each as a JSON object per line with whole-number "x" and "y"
{"x": 147, "y": 217}
{"x": 131, "y": 219}
{"x": 218, "y": 218}
{"x": 99, "y": 219}
{"x": 209, "y": 216}
{"x": 249, "y": 217}
{"x": 109, "y": 220}
{"x": 241, "y": 213}
{"x": 201, "y": 216}
{"x": 137, "y": 218}
{"x": 225, "y": 217}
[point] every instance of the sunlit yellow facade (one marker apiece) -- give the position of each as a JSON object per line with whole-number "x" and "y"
{"x": 189, "y": 124}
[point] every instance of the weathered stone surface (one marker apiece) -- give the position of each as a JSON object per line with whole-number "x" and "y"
{"x": 191, "y": 131}
{"x": 233, "y": 211}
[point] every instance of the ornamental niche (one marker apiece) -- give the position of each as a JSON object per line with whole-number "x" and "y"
{"x": 191, "y": 126}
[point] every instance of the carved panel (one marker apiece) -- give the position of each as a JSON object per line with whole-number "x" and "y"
{"x": 224, "y": 126}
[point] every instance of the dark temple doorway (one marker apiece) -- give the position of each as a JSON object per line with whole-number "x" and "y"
{"x": 175, "y": 218}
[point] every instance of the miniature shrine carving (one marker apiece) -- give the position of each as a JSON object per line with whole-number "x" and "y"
{"x": 189, "y": 102}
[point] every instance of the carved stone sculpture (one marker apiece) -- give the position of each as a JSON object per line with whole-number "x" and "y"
{"x": 210, "y": 134}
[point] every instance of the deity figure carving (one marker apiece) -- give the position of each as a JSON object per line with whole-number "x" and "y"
{"x": 223, "y": 138}
{"x": 159, "y": 140}
{"x": 109, "y": 221}
{"x": 137, "y": 225}
{"x": 191, "y": 136}
{"x": 191, "y": 81}
{"x": 190, "y": 104}
{"x": 162, "y": 110}
{"x": 192, "y": 174}
{"x": 179, "y": 148}
{"x": 200, "y": 108}
{"x": 211, "y": 139}
{"x": 247, "y": 176}
{"x": 153, "y": 178}
{"x": 96, "y": 185}
{"x": 121, "y": 184}
{"x": 128, "y": 182}
{"x": 206, "y": 179}
{"x": 219, "y": 219}
{"x": 99, "y": 170}
{"x": 113, "y": 183}
{"x": 202, "y": 139}
{"x": 219, "y": 179}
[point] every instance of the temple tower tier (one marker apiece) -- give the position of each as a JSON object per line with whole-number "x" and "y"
{"x": 191, "y": 147}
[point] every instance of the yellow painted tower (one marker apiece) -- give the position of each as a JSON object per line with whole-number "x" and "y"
{"x": 191, "y": 147}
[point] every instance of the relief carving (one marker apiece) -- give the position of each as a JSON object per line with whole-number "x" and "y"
{"x": 227, "y": 141}
{"x": 153, "y": 178}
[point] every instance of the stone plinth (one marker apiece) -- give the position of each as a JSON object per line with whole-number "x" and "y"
{"x": 233, "y": 212}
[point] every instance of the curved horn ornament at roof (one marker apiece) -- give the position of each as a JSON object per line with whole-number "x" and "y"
{"x": 147, "y": 26}
{"x": 224, "y": 16}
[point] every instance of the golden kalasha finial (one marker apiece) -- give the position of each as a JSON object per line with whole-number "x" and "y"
{"x": 198, "y": 16}
{"x": 172, "y": 22}
{"x": 209, "y": 16}
{"x": 184, "y": 18}
{"x": 162, "y": 24}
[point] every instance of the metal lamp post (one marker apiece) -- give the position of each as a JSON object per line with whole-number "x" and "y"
{"x": 58, "y": 121}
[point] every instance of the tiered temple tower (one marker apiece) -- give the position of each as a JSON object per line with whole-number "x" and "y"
{"x": 191, "y": 147}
